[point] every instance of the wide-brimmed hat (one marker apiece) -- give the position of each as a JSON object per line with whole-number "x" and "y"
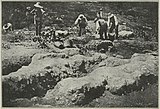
{"x": 81, "y": 16}
{"x": 110, "y": 14}
{"x": 101, "y": 9}
{"x": 28, "y": 7}
{"x": 37, "y": 5}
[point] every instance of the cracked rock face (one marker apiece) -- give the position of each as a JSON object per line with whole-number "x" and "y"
{"x": 133, "y": 75}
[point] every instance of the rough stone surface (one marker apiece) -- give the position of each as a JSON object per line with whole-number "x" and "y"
{"x": 15, "y": 58}
{"x": 113, "y": 62}
{"x": 44, "y": 72}
{"x": 59, "y": 44}
{"x": 83, "y": 39}
{"x": 127, "y": 48}
{"x": 141, "y": 70}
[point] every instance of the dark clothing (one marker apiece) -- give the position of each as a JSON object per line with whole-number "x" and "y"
{"x": 81, "y": 31}
{"x": 60, "y": 22}
{"x": 38, "y": 20}
{"x": 113, "y": 26}
{"x": 103, "y": 30}
{"x": 116, "y": 30}
{"x": 82, "y": 24}
{"x": 38, "y": 27}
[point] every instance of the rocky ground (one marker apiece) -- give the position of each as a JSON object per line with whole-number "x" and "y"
{"x": 93, "y": 73}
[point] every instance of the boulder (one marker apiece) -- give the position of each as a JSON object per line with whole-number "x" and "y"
{"x": 125, "y": 34}
{"x": 71, "y": 51}
{"x": 84, "y": 39}
{"x": 68, "y": 43}
{"x": 141, "y": 70}
{"x": 59, "y": 44}
{"x": 99, "y": 45}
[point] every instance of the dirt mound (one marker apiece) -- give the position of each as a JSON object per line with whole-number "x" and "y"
{"x": 141, "y": 70}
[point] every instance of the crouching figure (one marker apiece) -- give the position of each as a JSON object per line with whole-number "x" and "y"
{"x": 7, "y": 27}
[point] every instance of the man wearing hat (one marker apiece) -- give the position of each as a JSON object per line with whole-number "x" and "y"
{"x": 38, "y": 14}
{"x": 99, "y": 15}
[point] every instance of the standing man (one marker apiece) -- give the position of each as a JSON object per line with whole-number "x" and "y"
{"x": 98, "y": 16}
{"x": 38, "y": 14}
{"x": 82, "y": 22}
{"x": 99, "y": 13}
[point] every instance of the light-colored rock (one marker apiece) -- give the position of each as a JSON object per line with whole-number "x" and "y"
{"x": 84, "y": 39}
{"x": 119, "y": 56}
{"x": 97, "y": 45}
{"x": 45, "y": 70}
{"x": 70, "y": 51}
{"x": 126, "y": 34}
{"x": 119, "y": 80}
{"x": 59, "y": 44}
{"x": 113, "y": 62}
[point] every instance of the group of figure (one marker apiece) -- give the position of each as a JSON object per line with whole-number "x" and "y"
{"x": 106, "y": 27}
